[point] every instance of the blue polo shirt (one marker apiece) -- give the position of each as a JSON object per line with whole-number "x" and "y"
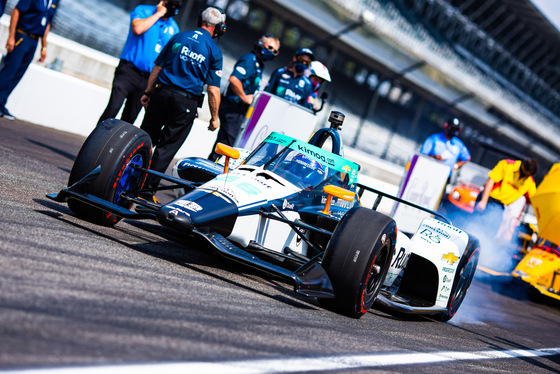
{"x": 35, "y": 15}
{"x": 142, "y": 50}
{"x": 249, "y": 71}
{"x": 189, "y": 60}
{"x": 450, "y": 150}
{"x": 294, "y": 89}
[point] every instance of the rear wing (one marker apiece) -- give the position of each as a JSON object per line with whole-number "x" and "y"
{"x": 380, "y": 195}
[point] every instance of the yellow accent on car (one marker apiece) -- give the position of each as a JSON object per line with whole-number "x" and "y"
{"x": 451, "y": 258}
{"x": 229, "y": 152}
{"x": 336, "y": 191}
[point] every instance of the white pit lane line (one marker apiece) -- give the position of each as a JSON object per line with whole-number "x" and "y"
{"x": 295, "y": 365}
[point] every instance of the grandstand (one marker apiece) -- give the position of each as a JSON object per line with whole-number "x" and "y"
{"x": 502, "y": 87}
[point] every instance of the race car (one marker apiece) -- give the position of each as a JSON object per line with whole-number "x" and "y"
{"x": 540, "y": 268}
{"x": 291, "y": 209}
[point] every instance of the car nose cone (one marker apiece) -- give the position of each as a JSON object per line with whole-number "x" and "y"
{"x": 174, "y": 218}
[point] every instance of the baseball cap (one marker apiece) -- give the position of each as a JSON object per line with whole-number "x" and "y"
{"x": 305, "y": 51}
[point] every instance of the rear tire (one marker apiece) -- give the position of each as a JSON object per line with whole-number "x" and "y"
{"x": 463, "y": 278}
{"x": 114, "y": 145}
{"x": 357, "y": 259}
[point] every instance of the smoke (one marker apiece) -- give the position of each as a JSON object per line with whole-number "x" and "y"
{"x": 498, "y": 257}
{"x": 497, "y": 251}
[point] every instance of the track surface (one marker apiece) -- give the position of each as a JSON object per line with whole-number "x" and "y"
{"x": 75, "y": 294}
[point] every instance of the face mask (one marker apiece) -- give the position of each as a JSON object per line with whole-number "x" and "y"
{"x": 453, "y": 132}
{"x": 316, "y": 85}
{"x": 266, "y": 54}
{"x": 172, "y": 10}
{"x": 300, "y": 67}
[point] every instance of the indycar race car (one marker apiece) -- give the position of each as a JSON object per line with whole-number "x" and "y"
{"x": 291, "y": 209}
{"x": 540, "y": 268}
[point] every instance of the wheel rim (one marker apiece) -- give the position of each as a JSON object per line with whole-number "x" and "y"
{"x": 375, "y": 277}
{"x": 129, "y": 178}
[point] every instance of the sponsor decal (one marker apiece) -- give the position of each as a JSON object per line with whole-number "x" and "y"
{"x": 195, "y": 36}
{"x": 401, "y": 259}
{"x": 291, "y": 94}
{"x": 248, "y": 188}
{"x": 187, "y": 54}
{"x": 176, "y": 212}
{"x": 326, "y": 158}
{"x": 534, "y": 262}
{"x": 287, "y": 205}
{"x": 188, "y": 204}
{"x": 448, "y": 270}
{"x": 451, "y": 258}
{"x": 356, "y": 256}
{"x": 439, "y": 231}
{"x": 446, "y": 279}
{"x": 241, "y": 70}
{"x": 430, "y": 236}
{"x": 219, "y": 73}
{"x": 316, "y": 155}
{"x": 445, "y": 289}
{"x": 338, "y": 202}
{"x": 226, "y": 192}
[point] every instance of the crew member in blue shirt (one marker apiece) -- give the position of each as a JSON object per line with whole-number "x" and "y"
{"x": 31, "y": 21}
{"x": 446, "y": 146}
{"x": 290, "y": 82}
{"x": 188, "y": 61}
{"x": 243, "y": 83}
{"x": 151, "y": 27}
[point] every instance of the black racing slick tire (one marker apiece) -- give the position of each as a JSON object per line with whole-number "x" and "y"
{"x": 463, "y": 279}
{"x": 357, "y": 259}
{"x": 114, "y": 145}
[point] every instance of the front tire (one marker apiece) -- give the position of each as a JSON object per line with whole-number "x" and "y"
{"x": 463, "y": 278}
{"x": 115, "y": 146}
{"x": 357, "y": 260}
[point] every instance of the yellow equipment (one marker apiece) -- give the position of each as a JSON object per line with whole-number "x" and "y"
{"x": 541, "y": 265}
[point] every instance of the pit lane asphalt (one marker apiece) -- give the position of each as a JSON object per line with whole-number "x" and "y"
{"x": 72, "y": 293}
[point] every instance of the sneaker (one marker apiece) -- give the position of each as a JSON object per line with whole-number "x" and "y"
{"x": 5, "y": 114}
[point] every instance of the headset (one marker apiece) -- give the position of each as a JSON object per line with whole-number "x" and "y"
{"x": 219, "y": 29}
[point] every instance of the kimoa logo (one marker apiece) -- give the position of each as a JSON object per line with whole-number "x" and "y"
{"x": 317, "y": 155}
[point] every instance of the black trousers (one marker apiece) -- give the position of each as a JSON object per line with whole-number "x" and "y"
{"x": 128, "y": 83}
{"x": 15, "y": 65}
{"x": 231, "y": 117}
{"x": 168, "y": 120}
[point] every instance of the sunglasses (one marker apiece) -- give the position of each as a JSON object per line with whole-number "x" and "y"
{"x": 303, "y": 60}
{"x": 271, "y": 48}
